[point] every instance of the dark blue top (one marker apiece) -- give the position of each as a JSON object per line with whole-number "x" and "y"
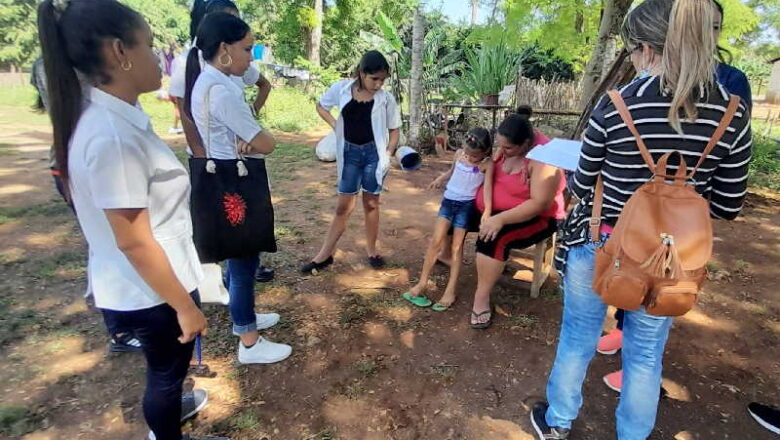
{"x": 735, "y": 82}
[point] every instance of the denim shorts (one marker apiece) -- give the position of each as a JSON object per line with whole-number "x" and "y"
{"x": 359, "y": 169}
{"x": 458, "y": 213}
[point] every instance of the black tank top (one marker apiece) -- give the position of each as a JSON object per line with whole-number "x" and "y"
{"x": 357, "y": 122}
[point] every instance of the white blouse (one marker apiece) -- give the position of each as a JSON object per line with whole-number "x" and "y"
{"x": 228, "y": 118}
{"x": 116, "y": 161}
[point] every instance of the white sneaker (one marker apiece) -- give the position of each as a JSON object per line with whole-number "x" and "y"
{"x": 264, "y": 321}
{"x": 263, "y": 352}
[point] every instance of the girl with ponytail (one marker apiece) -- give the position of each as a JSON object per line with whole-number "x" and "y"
{"x": 226, "y": 124}
{"x": 178, "y": 86}
{"x": 676, "y": 104}
{"x": 130, "y": 192}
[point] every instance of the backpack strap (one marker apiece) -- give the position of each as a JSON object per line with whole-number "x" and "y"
{"x": 625, "y": 115}
{"x": 725, "y": 122}
{"x": 598, "y": 196}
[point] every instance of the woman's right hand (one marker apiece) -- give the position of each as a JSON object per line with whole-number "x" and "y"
{"x": 436, "y": 184}
{"x": 192, "y": 323}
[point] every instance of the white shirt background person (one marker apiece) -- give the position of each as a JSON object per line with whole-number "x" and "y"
{"x": 385, "y": 116}
{"x": 116, "y": 161}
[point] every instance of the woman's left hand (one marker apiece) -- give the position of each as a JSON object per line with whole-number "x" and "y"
{"x": 244, "y": 147}
{"x": 488, "y": 230}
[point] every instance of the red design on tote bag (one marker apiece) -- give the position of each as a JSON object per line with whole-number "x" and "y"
{"x": 235, "y": 208}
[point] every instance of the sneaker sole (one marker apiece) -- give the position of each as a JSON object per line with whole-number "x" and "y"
{"x": 120, "y": 350}
{"x": 197, "y": 409}
{"x": 609, "y": 352}
{"x": 538, "y": 430}
{"x": 263, "y": 363}
{"x": 610, "y": 386}
{"x": 763, "y": 423}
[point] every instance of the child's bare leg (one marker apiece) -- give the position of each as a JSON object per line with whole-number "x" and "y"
{"x": 458, "y": 238}
{"x": 439, "y": 237}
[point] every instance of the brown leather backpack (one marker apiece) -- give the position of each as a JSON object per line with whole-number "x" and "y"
{"x": 659, "y": 248}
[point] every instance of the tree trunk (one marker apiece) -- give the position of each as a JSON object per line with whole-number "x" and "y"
{"x": 474, "y": 12}
{"x": 415, "y": 100}
{"x": 315, "y": 35}
{"x": 611, "y": 20}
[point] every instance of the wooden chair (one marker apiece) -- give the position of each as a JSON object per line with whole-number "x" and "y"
{"x": 543, "y": 254}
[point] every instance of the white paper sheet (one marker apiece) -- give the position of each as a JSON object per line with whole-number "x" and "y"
{"x": 561, "y": 153}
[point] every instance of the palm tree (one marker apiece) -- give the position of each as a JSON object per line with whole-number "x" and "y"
{"x": 415, "y": 98}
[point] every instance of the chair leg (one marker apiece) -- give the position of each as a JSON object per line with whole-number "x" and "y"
{"x": 543, "y": 255}
{"x": 539, "y": 276}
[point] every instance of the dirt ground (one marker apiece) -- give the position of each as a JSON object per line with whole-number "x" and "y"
{"x": 365, "y": 365}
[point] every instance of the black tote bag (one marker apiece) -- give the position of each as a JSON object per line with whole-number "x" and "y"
{"x": 232, "y": 214}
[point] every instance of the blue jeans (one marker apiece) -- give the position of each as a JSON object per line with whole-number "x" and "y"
{"x": 644, "y": 337}
{"x": 359, "y": 169}
{"x": 240, "y": 282}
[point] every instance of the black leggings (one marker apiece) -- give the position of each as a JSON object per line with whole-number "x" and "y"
{"x": 167, "y": 362}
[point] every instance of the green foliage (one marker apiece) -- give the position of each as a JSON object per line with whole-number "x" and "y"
{"x": 18, "y": 32}
{"x": 567, "y": 27}
{"x": 322, "y": 77}
{"x": 169, "y": 20}
{"x": 545, "y": 64}
{"x": 16, "y": 421}
{"x": 488, "y": 70}
{"x": 765, "y": 167}
{"x": 755, "y": 66}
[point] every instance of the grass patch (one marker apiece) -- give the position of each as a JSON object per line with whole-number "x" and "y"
{"x": 67, "y": 265}
{"x": 765, "y": 167}
{"x": 47, "y": 210}
{"x": 290, "y": 109}
{"x": 521, "y": 320}
{"x": 16, "y": 323}
{"x": 241, "y": 421}
{"x": 354, "y": 310}
{"x": 16, "y": 421}
{"x": 366, "y": 367}
{"x": 446, "y": 372}
{"x": 325, "y": 434}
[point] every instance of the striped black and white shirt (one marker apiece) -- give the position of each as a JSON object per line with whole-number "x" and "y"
{"x": 609, "y": 149}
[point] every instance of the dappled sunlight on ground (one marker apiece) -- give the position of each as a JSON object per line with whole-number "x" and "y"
{"x": 699, "y": 318}
{"x": 486, "y": 427}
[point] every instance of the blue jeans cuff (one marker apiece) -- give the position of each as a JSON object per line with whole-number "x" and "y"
{"x": 244, "y": 329}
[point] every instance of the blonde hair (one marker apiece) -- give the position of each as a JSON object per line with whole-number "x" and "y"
{"x": 682, "y": 32}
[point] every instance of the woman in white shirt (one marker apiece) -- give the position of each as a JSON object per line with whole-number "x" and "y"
{"x": 367, "y": 133}
{"x": 227, "y": 127}
{"x": 176, "y": 90}
{"x": 130, "y": 191}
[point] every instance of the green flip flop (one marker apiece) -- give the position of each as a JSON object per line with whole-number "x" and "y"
{"x": 440, "y": 308}
{"x": 419, "y": 301}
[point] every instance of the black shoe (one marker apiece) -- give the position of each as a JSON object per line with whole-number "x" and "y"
{"x": 376, "y": 262}
{"x": 543, "y": 431}
{"x": 264, "y": 274}
{"x": 192, "y": 403}
{"x": 124, "y": 343}
{"x": 311, "y": 266}
{"x": 766, "y": 416}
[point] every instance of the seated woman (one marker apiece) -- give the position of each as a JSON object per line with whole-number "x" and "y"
{"x": 527, "y": 204}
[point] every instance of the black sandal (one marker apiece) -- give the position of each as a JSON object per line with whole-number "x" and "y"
{"x": 311, "y": 266}
{"x": 482, "y": 325}
{"x": 376, "y": 262}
